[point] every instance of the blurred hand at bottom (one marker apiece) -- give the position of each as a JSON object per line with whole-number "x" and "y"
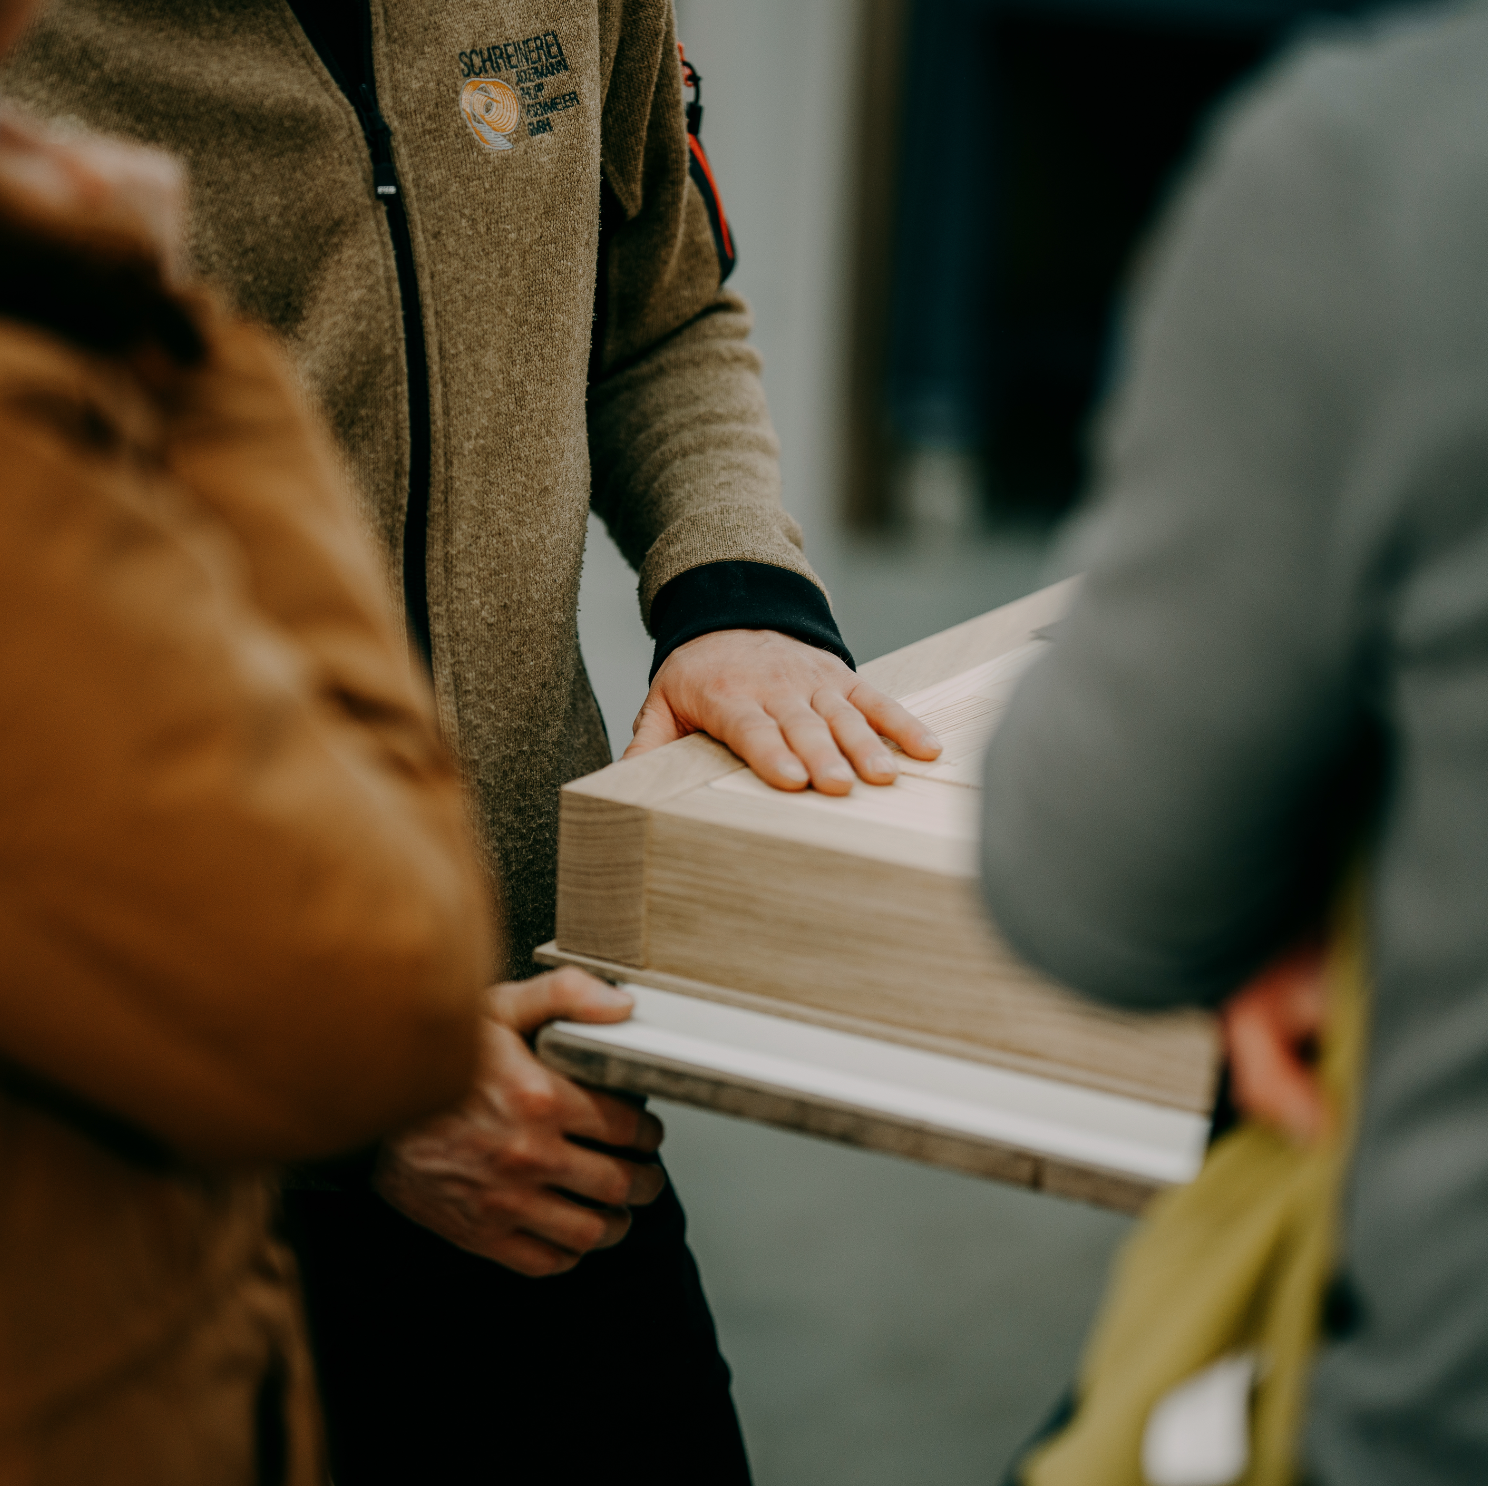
{"x": 1272, "y": 1030}
{"x": 505, "y": 1175}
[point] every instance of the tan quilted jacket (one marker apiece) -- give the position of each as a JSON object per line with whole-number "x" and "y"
{"x": 242, "y": 918}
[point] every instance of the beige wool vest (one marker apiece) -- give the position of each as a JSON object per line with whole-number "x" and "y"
{"x": 505, "y": 118}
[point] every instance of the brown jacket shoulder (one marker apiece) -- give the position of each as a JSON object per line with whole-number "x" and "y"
{"x": 241, "y": 917}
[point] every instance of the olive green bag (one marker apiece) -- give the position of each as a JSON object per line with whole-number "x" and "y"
{"x": 1230, "y": 1270}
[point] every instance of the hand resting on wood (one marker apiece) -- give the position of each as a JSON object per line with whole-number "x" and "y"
{"x": 500, "y": 1175}
{"x": 795, "y": 714}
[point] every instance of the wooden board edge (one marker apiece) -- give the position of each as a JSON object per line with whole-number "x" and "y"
{"x": 930, "y": 1042}
{"x": 846, "y": 1124}
{"x": 1107, "y": 1189}
{"x": 655, "y": 777}
{"x": 601, "y": 906}
{"x": 938, "y": 657}
{"x": 847, "y": 837}
{"x": 662, "y": 774}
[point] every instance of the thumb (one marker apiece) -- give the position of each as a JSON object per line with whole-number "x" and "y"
{"x": 654, "y": 725}
{"x": 560, "y": 995}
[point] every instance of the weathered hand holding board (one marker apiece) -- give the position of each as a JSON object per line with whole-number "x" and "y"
{"x": 681, "y": 871}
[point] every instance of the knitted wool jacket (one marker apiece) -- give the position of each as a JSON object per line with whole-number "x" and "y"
{"x": 556, "y": 373}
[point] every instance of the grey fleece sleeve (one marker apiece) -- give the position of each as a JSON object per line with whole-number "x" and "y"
{"x": 1147, "y": 793}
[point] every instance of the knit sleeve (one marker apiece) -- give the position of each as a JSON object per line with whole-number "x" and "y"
{"x": 685, "y": 461}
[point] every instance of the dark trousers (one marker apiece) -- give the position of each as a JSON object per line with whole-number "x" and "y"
{"x": 441, "y": 1369}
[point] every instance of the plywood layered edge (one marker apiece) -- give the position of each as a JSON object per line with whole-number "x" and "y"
{"x": 603, "y": 827}
{"x": 827, "y": 1120}
{"x": 1193, "y": 1032}
{"x": 989, "y": 1122}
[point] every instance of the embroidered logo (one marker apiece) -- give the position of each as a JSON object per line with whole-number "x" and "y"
{"x": 492, "y": 110}
{"x": 508, "y": 93}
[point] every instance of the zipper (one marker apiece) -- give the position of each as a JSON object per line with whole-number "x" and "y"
{"x": 380, "y": 142}
{"x": 386, "y": 187}
{"x": 323, "y": 23}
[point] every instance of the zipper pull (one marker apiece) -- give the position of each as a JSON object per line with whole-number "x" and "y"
{"x": 692, "y": 78}
{"x": 380, "y": 136}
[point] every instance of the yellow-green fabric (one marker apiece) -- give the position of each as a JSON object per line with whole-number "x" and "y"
{"x": 1236, "y": 1261}
{"x": 672, "y": 439}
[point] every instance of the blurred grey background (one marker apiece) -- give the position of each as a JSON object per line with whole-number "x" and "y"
{"x": 935, "y": 204}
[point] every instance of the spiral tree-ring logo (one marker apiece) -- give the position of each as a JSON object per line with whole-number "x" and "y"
{"x": 492, "y": 110}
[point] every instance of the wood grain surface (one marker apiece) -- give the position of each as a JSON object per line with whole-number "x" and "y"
{"x": 862, "y": 910}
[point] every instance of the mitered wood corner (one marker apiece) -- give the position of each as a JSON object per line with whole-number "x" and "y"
{"x": 679, "y": 870}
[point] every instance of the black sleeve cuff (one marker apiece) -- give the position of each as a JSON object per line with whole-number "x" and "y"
{"x": 742, "y": 595}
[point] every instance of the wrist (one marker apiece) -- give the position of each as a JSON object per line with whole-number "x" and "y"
{"x": 742, "y": 595}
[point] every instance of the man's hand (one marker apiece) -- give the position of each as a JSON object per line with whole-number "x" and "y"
{"x": 497, "y": 1175}
{"x": 795, "y": 714}
{"x": 1272, "y": 1028}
